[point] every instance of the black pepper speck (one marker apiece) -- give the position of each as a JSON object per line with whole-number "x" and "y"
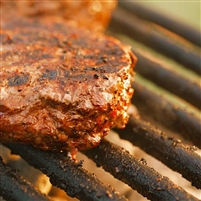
{"x": 96, "y": 76}
{"x": 105, "y": 77}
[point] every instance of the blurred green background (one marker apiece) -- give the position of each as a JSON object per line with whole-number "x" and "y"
{"x": 186, "y": 11}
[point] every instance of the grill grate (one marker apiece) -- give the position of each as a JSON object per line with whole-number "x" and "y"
{"x": 66, "y": 174}
{"x": 113, "y": 159}
{"x": 170, "y": 151}
{"x": 126, "y": 23}
{"x": 175, "y": 83}
{"x": 135, "y": 173}
{"x": 161, "y": 143}
{"x": 173, "y": 25}
{"x": 163, "y": 111}
{"x": 14, "y": 187}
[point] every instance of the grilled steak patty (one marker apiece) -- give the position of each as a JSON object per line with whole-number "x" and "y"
{"x": 62, "y": 87}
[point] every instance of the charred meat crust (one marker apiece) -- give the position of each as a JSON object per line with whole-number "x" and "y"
{"x": 62, "y": 87}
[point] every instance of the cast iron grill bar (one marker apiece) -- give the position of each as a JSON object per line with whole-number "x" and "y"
{"x": 169, "y": 80}
{"x": 66, "y": 174}
{"x": 170, "y": 151}
{"x": 136, "y": 174}
{"x": 174, "y": 25}
{"x": 14, "y": 188}
{"x": 168, "y": 114}
{"x": 128, "y": 24}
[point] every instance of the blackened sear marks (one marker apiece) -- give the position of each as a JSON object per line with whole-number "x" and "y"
{"x": 49, "y": 74}
{"x": 96, "y": 76}
{"x": 18, "y": 79}
{"x": 89, "y": 68}
{"x": 66, "y": 73}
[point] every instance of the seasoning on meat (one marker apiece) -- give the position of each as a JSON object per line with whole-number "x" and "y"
{"x": 94, "y": 15}
{"x": 62, "y": 87}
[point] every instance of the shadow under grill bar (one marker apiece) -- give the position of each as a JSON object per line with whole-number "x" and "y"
{"x": 169, "y": 115}
{"x": 136, "y": 174}
{"x": 14, "y": 188}
{"x": 66, "y": 174}
{"x": 129, "y": 25}
{"x": 168, "y": 150}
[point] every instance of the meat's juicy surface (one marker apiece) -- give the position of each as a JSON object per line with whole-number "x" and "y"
{"x": 62, "y": 87}
{"x": 94, "y": 15}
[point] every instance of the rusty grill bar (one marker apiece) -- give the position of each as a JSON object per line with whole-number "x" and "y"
{"x": 77, "y": 182}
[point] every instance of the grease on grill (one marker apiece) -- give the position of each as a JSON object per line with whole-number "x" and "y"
{"x": 19, "y": 79}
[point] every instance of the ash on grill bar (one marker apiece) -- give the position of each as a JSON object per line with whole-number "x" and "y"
{"x": 162, "y": 133}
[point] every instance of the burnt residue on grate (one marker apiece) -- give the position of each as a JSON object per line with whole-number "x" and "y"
{"x": 169, "y": 80}
{"x": 169, "y": 150}
{"x": 136, "y": 174}
{"x": 140, "y": 30}
{"x": 168, "y": 114}
{"x": 66, "y": 174}
{"x": 14, "y": 188}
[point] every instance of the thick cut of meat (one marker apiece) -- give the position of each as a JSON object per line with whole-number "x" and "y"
{"x": 62, "y": 87}
{"x": 93, "y": 15}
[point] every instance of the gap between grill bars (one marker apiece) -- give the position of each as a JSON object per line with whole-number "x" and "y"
{"x": 159, "y": 142}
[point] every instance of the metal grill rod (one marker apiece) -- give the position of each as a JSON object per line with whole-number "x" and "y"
{"x": 174, "y": 25}
{"x": 136, "y": 174}
{"x": 138, "y": 29}
{"x": 169, "y": 115}
{"x": 66, "y": 174}
{"x": 170, "y": 151}
{"x": 169, "y": 80}
{"x": 14, "y": 188}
